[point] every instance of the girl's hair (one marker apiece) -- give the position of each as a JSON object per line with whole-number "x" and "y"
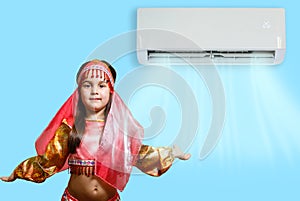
{"x": 79, "y": 121}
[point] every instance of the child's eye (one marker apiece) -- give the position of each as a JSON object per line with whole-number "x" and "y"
{"x": 102, "y": 85}
{"x": 86, "y": 85}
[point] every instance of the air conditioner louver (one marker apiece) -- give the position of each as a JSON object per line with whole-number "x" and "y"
{"x": 216, "y": 57}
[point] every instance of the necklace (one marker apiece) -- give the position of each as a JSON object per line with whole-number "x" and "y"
{"x": 95, "y": 120}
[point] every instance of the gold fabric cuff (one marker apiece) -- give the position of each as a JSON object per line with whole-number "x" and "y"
{"x": 154, "y": 161}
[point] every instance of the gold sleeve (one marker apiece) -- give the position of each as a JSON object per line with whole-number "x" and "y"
{"x": 154, "y": 161}
{"x": 39, "y": 168}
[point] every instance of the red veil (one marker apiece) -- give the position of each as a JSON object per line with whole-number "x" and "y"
{"x": 121, "y": 140}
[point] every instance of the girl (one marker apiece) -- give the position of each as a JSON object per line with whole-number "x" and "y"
{"x": 99, "y": 142}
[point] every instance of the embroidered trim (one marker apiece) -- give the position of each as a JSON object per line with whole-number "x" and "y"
{"x": 101, "y": 67}
{"x": 80, "y": 162}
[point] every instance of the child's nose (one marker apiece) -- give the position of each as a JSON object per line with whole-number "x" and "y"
{"x": 95, "y": 90}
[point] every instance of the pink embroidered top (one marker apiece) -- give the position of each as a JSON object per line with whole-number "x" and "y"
{"x": 83, "y": 162}
{"x": 90, "y": 141}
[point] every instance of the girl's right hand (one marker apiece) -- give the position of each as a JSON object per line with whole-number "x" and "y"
{"x": 178, "y": 153}
{"x": 9, "y": 178}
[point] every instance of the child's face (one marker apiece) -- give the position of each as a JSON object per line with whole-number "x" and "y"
{"x": 94, "y": 94}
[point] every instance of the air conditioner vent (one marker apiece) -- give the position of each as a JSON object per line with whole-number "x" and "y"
{"x": 213, "y": 56}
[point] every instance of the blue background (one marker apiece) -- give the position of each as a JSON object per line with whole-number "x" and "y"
{"x": 42, "y": 45}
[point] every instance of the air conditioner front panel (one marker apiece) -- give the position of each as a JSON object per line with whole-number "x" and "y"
{"x": 211, "y": 29}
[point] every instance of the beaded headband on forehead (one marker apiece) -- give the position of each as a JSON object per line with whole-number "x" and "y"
{"x": 98, "y": 70}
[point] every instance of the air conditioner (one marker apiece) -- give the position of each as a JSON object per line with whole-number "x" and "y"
{"x": 208, "y": 36}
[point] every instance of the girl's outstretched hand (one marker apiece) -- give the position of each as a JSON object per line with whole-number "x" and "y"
{"x": 9, "y": 178}
{"x": 178, "y": 153}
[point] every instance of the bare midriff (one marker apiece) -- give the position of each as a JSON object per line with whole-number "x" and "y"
{"x": 90, "y": 188}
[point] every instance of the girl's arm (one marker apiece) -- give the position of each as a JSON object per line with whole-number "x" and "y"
{"x": 39, "y": 168}
{"x": 156, "y": 161}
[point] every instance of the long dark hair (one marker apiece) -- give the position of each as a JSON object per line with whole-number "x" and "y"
{"x": 80, "y": 114}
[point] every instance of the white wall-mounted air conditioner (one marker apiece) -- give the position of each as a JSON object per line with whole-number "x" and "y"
{"x": 211, "y": 36}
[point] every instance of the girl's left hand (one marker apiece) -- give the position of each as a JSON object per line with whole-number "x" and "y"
{"x": 178, "y": 153}
{"x": 9, "y": 178}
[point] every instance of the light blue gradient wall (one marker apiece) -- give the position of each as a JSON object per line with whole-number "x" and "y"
{"x": 42, "y": 45}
